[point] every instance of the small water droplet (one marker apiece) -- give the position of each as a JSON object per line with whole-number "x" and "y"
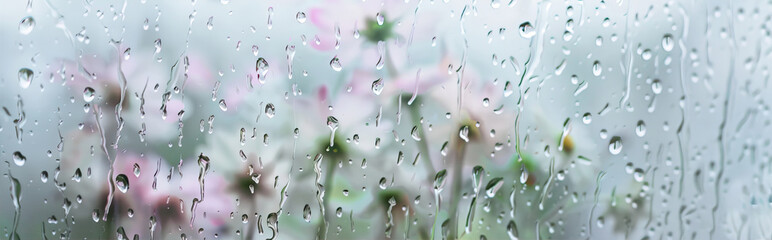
{"x": 136, "y": 170}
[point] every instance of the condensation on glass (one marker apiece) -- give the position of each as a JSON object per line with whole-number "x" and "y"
{"x": 385, "y": 119}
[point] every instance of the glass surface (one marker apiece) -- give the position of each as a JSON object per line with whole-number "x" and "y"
{"x": 385, "y": 119}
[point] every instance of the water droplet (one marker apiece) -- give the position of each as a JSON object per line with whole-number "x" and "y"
{"x": 587, "y": 118}
{"x": 332, "y": 123}
{"x": 335, "y": 64}
{"x": 379, "y": 18}
{"x": 463, "y": 133}
{"x": 261, "y": 66}
{"x": 301, "y": 17}
{"x": 26, "y": 25}
{"x": 512, "y": 230}
{"x": 527, "y": 30}
{"x": 646, "y": 54}
{"x": 339, "y": 212}
{"x": 382, "y": 183}
{"x": 596, "y": 68}
{"x": 414, "y": 133}
{"x": 615, "y": 145}
{"x": 127, "y": 54}
{"x": 667, "y": 42}
{"x": 377, "y": 86}
{"x": 307, "y": 213}
{"x": 19, "y": 159}
{"x": 439, "y": 180}
{"x": 122, "y": 182}
{"x": 209, "y": 24}
{"x": 493, "y": 186}
{"x": 136, "y": 170}
{"x": 25, "y": 77}
{"x": 638, "y": 175}
{"x": 223, "y": 105}
{"x": 88, "y": 94}
{"x": 656, "y": 86}
{"x": 640, "y": 129}
{"x": 270, "y": 110}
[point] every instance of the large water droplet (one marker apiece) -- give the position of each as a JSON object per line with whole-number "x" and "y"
{"x": 640, "y": 129}
{"x": 19, "y": 159}
{"x": 25, "y": 77}
{"x": 382, "y": 183}
{"x": 656, "y": 86}
{"x": 26, "y": 25}
{"x": 596, "y": 68}
{"x": 122, "y": 182}
{"x": 667, "y": 42}
{"x": 270, "y": 110}
{"x": 335, "y": 64}
{"x": 88, "y": 94}
{"x": 300, "y": 17}
{"x": 615, "y": 145}
{"x": 307, "y": 213}
{"x": 493, "y": 186}
{"x": 377, "y": 86}
{"x": 463, "y": 133}
{"x": 439, "y": 180}
{"x": 223, "y": 105}
{"x": 527, "y": 30}
{"x": 261, "y": 65}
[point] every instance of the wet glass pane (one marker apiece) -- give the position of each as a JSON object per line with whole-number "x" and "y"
{"x": 385, "y": 119}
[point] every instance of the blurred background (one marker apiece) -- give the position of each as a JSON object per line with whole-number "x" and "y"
{"x": 385, "y": 119}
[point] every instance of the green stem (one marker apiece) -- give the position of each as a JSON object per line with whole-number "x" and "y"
{"x": 423, "y": 145}
{"x": 328, "y": 180}
{"x": 456, "y": 189}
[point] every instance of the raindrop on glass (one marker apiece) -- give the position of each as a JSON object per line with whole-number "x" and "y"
{"x": 26, "y": 25}
{"x": 527, "y": 30}
{"x": 88, "y": 94}
{"x": 25, "y": 77}
{"x": 122, "y": 182}
{"x": 19, "y": 159}
{"x": 615, "y": 145}
{"x": 335, "y": 64}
